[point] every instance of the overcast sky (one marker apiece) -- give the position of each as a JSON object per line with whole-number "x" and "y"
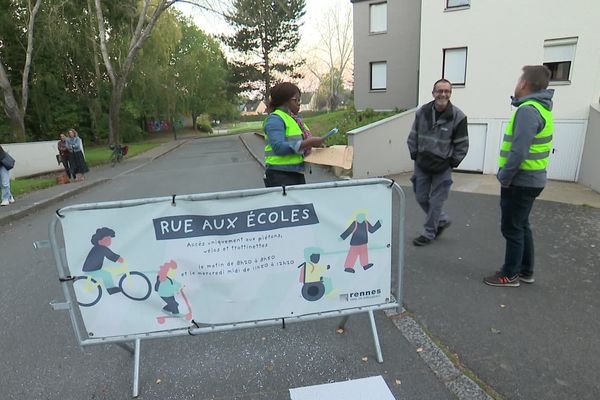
{"x": 314, "y": 10}
{"x": 310, "y": 38}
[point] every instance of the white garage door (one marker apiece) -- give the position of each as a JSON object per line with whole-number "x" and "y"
{"x": 475, "y": 157}
{"x": 567, "y": 143}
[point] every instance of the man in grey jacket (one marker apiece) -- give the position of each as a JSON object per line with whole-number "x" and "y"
{"x": 438, "y": 142}
{"x": 524, "y": 156}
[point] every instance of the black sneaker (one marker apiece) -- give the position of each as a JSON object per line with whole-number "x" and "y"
{"x": 526, "y": 278}
{"x": 366, "y": 267}
{"x": 421, "y": 241}
{"x": 441, "y": 228}
{"x": 351, "y": 270}
{"x": 500, "y": 280}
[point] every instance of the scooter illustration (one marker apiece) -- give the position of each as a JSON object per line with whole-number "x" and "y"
{"x": 161, "y": 319}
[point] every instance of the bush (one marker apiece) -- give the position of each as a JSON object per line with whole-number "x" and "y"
{"x": 203, "y": 123}
{"x": 345, "y": 120}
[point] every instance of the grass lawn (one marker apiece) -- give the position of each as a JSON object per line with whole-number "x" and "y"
{"x": 322, "y": 122}
{"x": 21, "y": 186}
{"x": 245, "y": 127}
{"x": 93, "y": 156}
{"x": 101, "y": 155}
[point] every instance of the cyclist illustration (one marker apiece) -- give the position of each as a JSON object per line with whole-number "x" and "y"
{"x": 134, "y": 285}
{"x": 359, "y": 228}
{"x": 95, "y": 258}
{"x": 314, "y": 285}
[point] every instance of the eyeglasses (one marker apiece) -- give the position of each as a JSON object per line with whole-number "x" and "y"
{"x": 296, "y": 99}
{"x": 443, "y": 91}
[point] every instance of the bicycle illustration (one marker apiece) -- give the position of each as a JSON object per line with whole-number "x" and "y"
{"x": 118, "y": 152}
{"x": 134, "y": 285}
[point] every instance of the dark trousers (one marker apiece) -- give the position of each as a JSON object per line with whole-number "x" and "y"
{"x": 275, "y": 178}
{"x": 172, "y": 305}
{"x": 431, "y": 191}
{"x": 515, "y": 204}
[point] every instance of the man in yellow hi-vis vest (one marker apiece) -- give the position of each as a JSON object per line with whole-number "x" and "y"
{"x": 524, "y": 156}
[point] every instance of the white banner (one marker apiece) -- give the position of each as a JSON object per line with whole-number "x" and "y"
{"x": 154, "y": 267}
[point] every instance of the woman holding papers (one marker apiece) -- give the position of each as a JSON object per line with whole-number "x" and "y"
{"x": 287, "y": 139}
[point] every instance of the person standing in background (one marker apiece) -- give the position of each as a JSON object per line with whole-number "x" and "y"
{"x": 63, "y": 155}
{"x": 6, "y": 164}
{"x": 287, "y": 139}
{"x": 76, "y": 159}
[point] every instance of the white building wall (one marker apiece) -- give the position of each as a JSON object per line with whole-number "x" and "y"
{"x": 380, "y": 148}
{"x": 501, "y": 39}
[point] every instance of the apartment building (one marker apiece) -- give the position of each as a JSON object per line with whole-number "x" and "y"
{"x": 481, "y": 46}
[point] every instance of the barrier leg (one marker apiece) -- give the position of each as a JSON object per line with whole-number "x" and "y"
{"x": 342, "y": 324}
{"x": 136, "y": 368}
{"x": 375, "y": 337}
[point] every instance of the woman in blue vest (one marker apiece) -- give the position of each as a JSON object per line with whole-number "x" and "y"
{"x": 287, "y": 139}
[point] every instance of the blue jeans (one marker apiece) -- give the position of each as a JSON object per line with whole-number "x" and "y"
{"x": 516, "y": 203}
{"x": 5, "y": 183}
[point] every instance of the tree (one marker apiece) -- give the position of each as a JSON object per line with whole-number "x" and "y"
{"x": 14, "y": 111}
{"x": 147, "y": 17}
{"x": 335, "y": 53}
{"x": 198, "y": 55}
{"x": 266, "y": 31}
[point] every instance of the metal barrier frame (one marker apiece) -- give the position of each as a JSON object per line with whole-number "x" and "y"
{"x": 70, "y": 304}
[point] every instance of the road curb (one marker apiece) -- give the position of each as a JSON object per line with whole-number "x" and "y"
{"x": 8, "y": 218}
{"x": 37, "y": 205}
{"x": 247, "y": 146}
{"x": 463, "y": 387}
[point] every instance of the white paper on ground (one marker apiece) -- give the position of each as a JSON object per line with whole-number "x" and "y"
{"x": 357, "y": 389}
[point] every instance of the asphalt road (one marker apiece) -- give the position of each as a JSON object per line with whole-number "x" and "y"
{"x": 42, "y": 360}
{"x": 534, "y": 342}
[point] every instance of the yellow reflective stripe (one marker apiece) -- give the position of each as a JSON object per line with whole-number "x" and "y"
{"x": 539, "y": 151}
{"x": 293, "y": 133}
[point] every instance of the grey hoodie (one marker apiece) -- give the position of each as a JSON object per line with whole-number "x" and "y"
{"x": 528, "y": 123}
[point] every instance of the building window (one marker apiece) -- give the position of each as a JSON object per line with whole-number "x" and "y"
{"x": 558, "y": 57}
{"x": 378, "y": 22}
{"x": 379, "y": 75}
{"x": 455, "y": 65}
{"x": 457, "y": 3}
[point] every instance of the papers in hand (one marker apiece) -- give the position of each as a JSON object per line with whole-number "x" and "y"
{"x": 331, "y": 132}
{"x": 339, "y": 156}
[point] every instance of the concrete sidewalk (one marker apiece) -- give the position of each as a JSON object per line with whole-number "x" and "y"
{"x": 33, "y": 201}
{"x": 562, "y": 192}
{"x": 537, "y": 341}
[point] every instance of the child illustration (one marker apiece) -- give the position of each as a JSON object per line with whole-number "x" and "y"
{"x": 167, "y": 287}
{"x": 311, "y": 275}
{"x": 359, "y": 228}
{"x": 95, "y": 259}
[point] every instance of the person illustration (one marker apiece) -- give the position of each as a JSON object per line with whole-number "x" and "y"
{"x": 287, "y": 139}
{"x": 167, "y": 287}
{"x": 438, "y": 142}
{"x": 315, "y": 285}
{"x": 359, "y": 228}
{"x": 93, "y": 264}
